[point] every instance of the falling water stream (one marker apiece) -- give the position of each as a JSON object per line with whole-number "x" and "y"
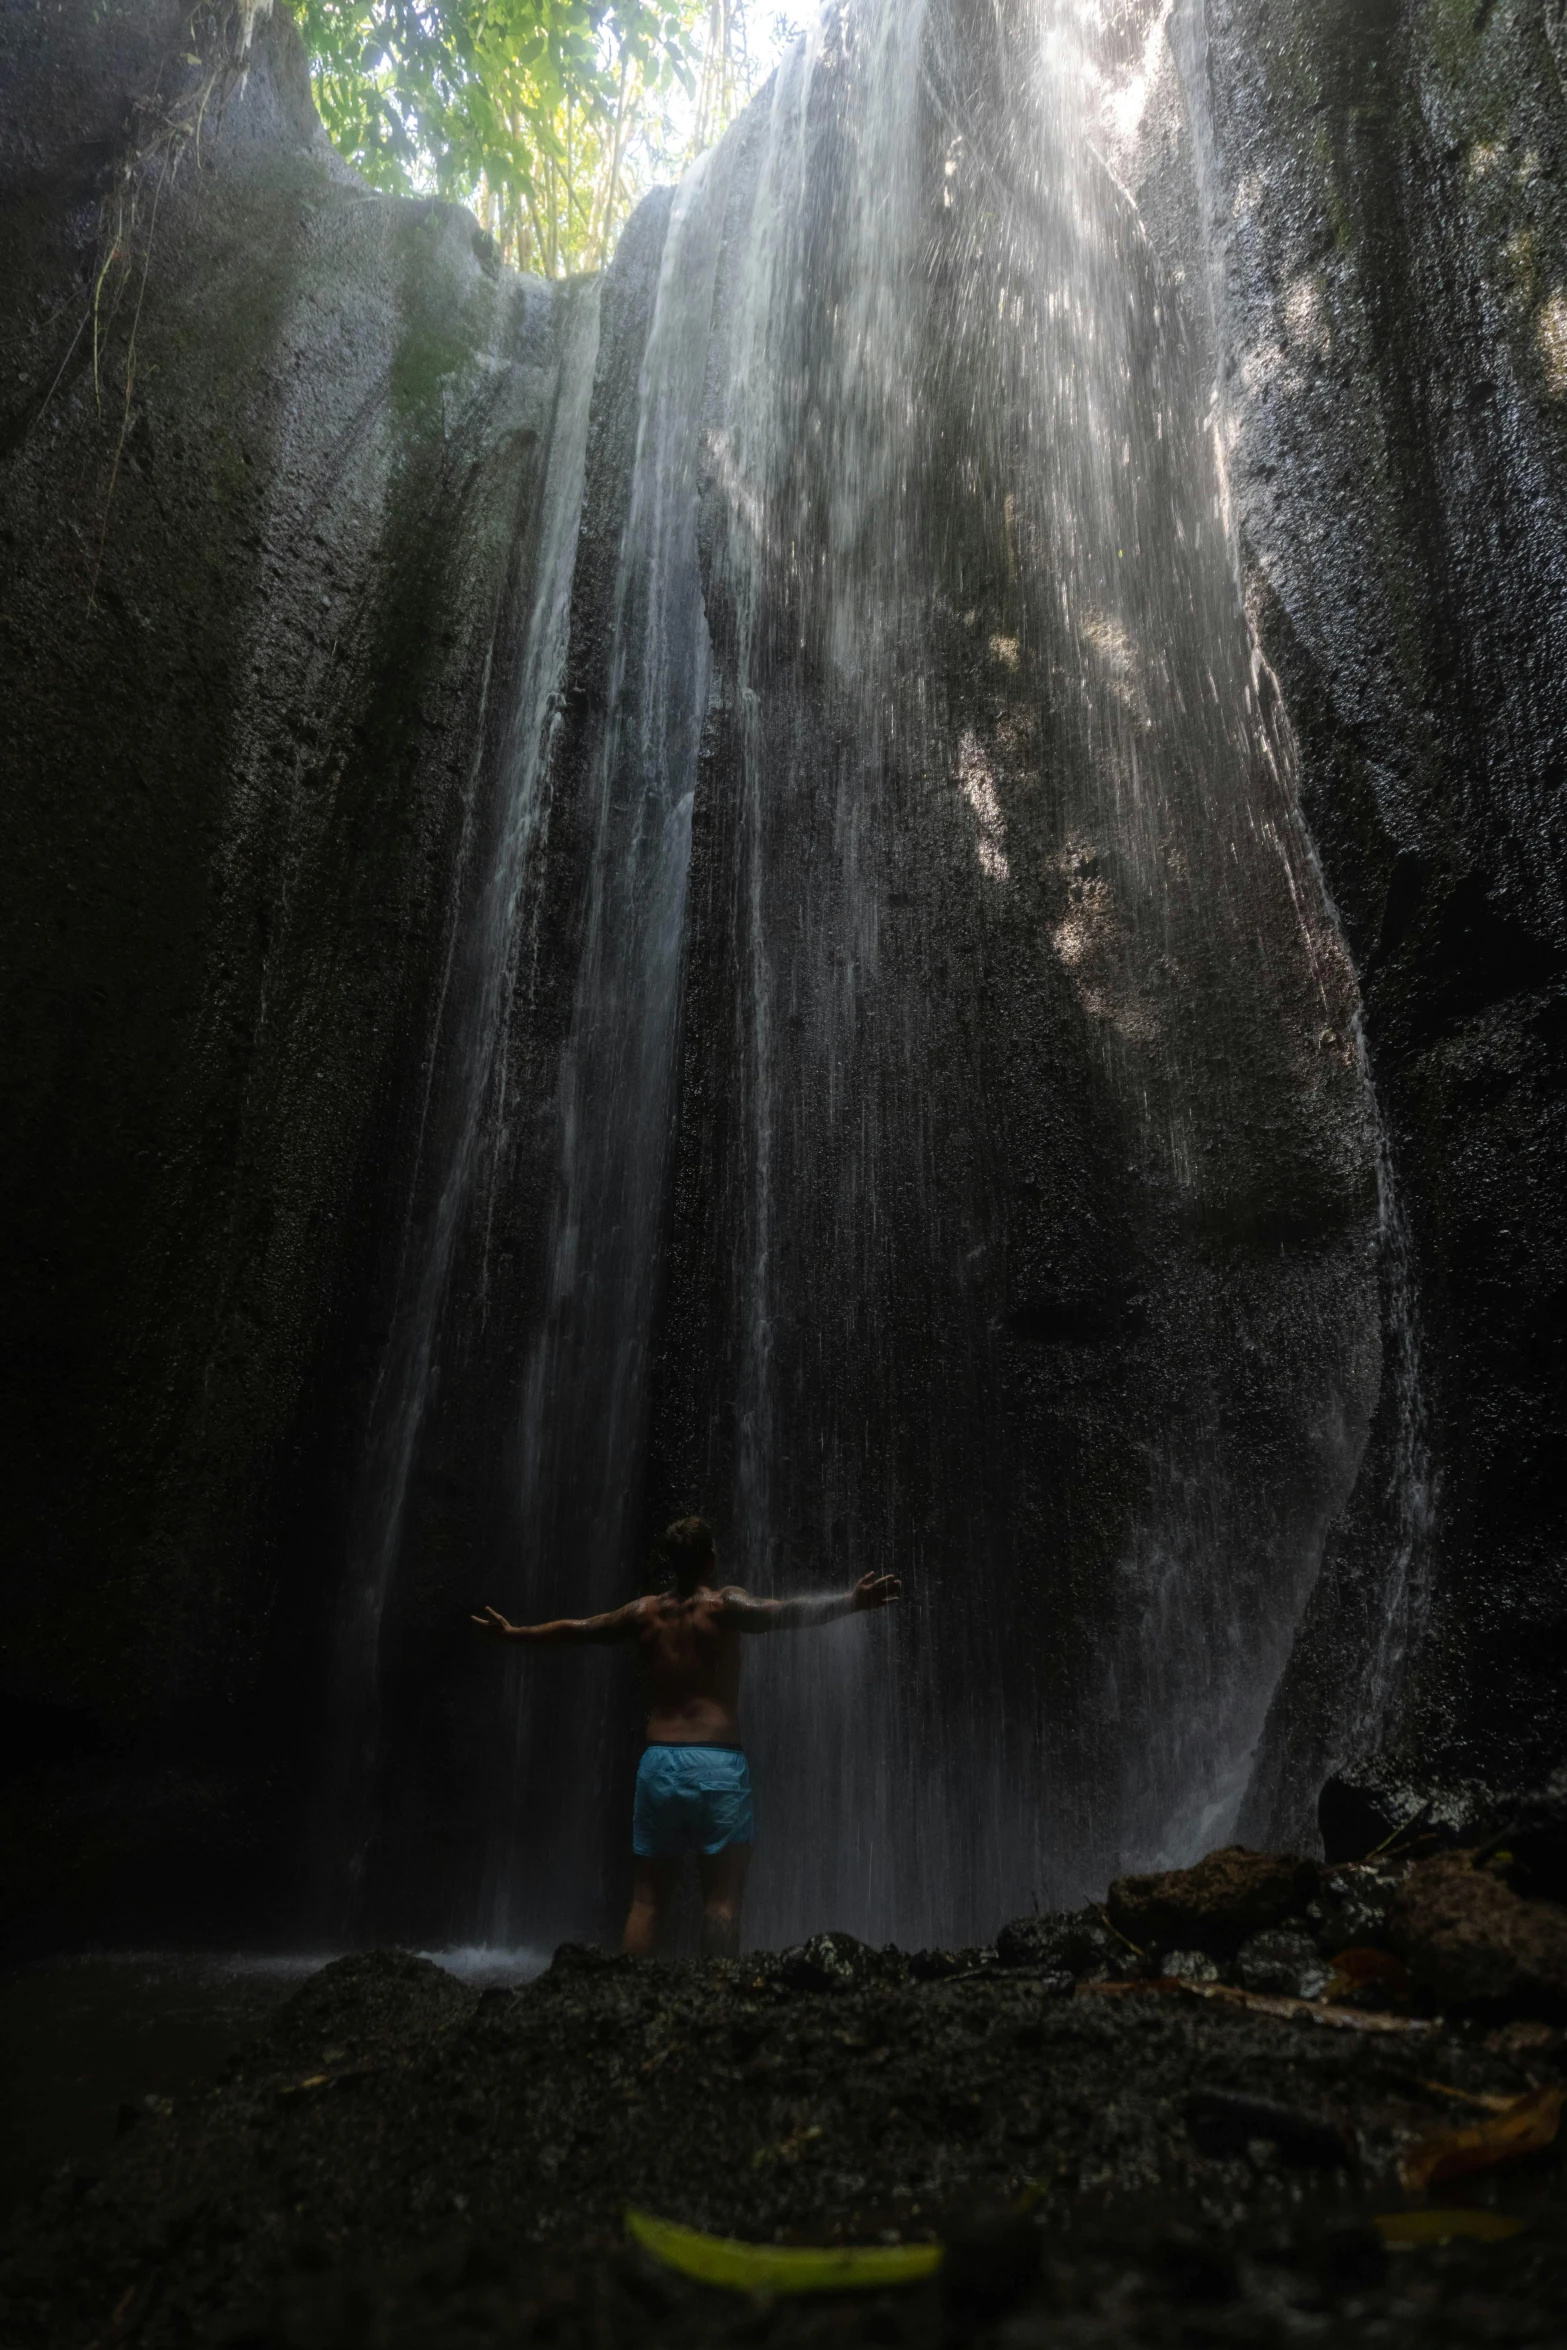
{"x": 584, "y": 1405}
{"x": 457, "y": 1127}
{"x": 961, "y": 1162}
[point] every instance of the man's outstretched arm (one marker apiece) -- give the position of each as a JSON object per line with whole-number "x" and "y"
{"x": 746, "y": 1614}
{"x": 621, "y": 1623}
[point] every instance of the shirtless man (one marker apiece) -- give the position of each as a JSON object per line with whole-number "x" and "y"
{"x": 693, "y": 1787}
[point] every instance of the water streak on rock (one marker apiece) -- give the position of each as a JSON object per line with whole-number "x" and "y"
{"x": 464, "y": 1105}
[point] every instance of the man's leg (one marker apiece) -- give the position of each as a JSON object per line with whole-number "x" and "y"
{"x": 723, "y": 1889}
{"x": 650, "y": 1891}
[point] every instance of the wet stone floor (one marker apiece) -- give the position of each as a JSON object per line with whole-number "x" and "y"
{"x": 397, "y": 2157}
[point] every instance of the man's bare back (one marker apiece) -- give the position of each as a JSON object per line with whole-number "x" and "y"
{"x": 690, "y": 1657}
{"x": 693, "y": 1782}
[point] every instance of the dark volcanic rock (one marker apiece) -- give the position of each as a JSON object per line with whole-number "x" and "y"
{"x": 838, "y": 1962}
{"x": 1190, "y": 1966}
{"x": 1073, "y": 1943}
{"x": 1534, "y": 1833}
{"x": 1216, "y": 1906}
{"x": 1351, "y": 1905}
{"x": 942, "y": 1966}
{"x": 1285, "y": 1961}
{"x": 269, "y": 633}
{"x": 1399, "y": 466}
{"x": 1471, "y": 1942}
{"x": 1376, "y": 1802}
{"x": 378, "y": 2002}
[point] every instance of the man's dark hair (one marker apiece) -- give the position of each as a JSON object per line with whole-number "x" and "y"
{"x": 686, "y": 1547}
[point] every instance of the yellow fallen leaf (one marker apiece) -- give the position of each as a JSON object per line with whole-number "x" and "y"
{"x": 1522, "y": 2126}
{"x": 1441, "y": 2227}
{"x": 780, "y": 2268}
{"x": 1480, "y": 2097}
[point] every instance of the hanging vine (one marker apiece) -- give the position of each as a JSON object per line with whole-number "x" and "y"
{"x": 193, "y": 83}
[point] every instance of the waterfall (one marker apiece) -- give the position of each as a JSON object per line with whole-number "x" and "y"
{"x": 995, "y": 737}
{"x": 585, "y": 1392}
{"x": 959, "y": 1160}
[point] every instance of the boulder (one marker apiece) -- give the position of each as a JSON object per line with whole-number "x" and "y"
{"x": 1284, "y": 1961}
{"x": 946, "y": 1966}
{"x": 1071, "y": 1942}
{"x": 1217, "y": 1905}
{"x": 1352, "y": 1905}
{"x": 838, "y": 1962}
{"x": 1371, "y": 1802}
{"x": 371, "y": 2000}
{"x": 1535, "y": 1838}
{"x": 1189, "y": 1966}
{"x": 1470, "y": 1941}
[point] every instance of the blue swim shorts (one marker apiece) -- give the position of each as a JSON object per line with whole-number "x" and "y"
{"x": 690, "y": 1799}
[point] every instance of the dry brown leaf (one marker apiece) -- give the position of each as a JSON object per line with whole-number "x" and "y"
{"x": 1343, "y": 2019}
{"x": 1317, "y": 2011}
{"x": 1522, "y": 2126}
{"x": 1480, "y": 2097}
{"x": 1357, "y": 1968}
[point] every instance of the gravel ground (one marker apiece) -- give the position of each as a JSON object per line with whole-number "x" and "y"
{"x": 400, "y": 2159}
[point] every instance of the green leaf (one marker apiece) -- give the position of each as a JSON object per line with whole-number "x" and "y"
{"x": 778, "y": 2268}
{"x": 489, "y": 100}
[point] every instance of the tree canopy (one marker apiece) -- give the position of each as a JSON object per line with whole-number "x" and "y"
{"x": 549, "y": 117}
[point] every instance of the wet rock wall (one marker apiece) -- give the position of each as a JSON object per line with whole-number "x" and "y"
{"x": 258, "y": 606}
{"x": 254, "y": 749}
{"x": 1389, "y": 249}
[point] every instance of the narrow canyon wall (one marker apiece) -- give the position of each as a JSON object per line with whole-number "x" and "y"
{"x": 262, "y": 576}
{"x": 289, "y": 1214}
{"x": 1388, "y": 232}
